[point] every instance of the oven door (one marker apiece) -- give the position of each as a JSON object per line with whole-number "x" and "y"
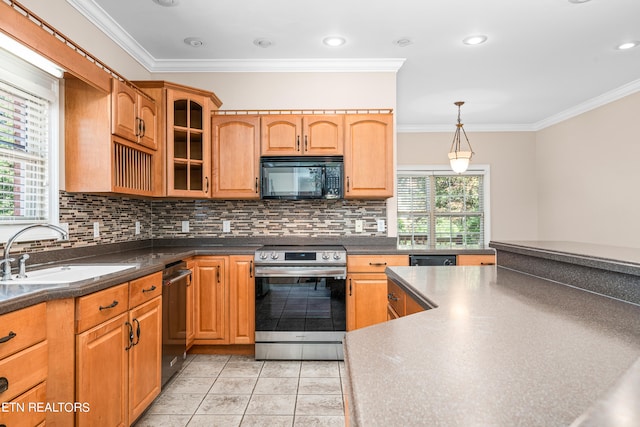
{"x": 300, "y": 318}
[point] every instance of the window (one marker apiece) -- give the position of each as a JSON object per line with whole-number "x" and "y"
{"x": 440, "y": 210}
{"x": 28, "y": 146}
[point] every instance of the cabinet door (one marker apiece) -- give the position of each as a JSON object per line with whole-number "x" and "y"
{"x": 476, "y": 259}
{"x": 323, "y": 135}
{"x": 101, "y": 373}
{"x": 145, "y": 357}
{"x": 211, "y": 300}
{"x": 148, "y": 116}
{"x": 236, "y": 157}
{"x": 281, "y": 135}
{"x": 191, "y": 302}
{"x": 242, "y": 300}
{"x": 124, "y": 121}
{"x": 366, "y": 300}
{"x": 368, "y": 157}
{"x": 188, "y": 145}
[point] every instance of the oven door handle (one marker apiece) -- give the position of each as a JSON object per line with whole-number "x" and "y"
{"x": 284, "y": 271}
{"x": 179, "y": 276}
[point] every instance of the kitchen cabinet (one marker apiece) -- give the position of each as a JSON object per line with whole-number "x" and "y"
{"x": 119, "y": 351}
{"x": 211, "y": 293}
{"x": 399, "y": 302}
{"x": 367, "y": 288}
{"x": 236, "y": 157}
{"x": 133, "y": 114}
{"x": 185, "y": 133}
{"x": 302, "y": 135}
{"x": 128, "y": 165}
{"x": 486, "y": 259}
{"x": 368, "y": 156}
{"x": 23, "y": 364}
{"x": 242, "y": 299}
{"x": 191, "y": 304}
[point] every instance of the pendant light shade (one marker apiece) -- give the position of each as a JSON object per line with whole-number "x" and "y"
{"x": 459, "y": 156}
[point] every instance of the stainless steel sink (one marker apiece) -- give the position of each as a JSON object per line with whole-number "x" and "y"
{"x": 67, "y": 274}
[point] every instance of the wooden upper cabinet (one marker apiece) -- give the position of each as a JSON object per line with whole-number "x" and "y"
{"x": 302, "y": 135}
{"x": 236, "y": 157}
{"x": 133, "y": 115}
{"x": 368, "y": 157}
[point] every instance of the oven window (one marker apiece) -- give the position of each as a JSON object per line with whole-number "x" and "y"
{"x": 300, "y": 304}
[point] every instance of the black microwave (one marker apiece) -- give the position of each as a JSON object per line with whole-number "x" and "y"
{"x": 294, "y": 178}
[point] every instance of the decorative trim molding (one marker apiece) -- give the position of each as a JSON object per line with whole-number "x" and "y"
{"x": 451, "y": 127}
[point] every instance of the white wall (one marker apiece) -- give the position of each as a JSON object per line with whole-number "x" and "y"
{"x": 511, "y": 157}
{"x": 589, "y": 178}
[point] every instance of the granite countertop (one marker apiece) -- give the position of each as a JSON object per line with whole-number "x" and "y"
{"x": 501, "y": 348}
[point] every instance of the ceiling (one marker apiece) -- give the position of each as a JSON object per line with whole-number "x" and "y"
{"x": 544, "y": 60}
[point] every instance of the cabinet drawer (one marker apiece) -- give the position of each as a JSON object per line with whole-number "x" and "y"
{"x": 396, "y": 297}
{"x": 23, "y": 370}
{"x": 476, "y": 260}
{"x": 374, "y": 263}
{"x": 95, "y": 308}
{"x": 23, "y": 328}
{"x": 145, "y": 289}
{"x": 21, "y": 413}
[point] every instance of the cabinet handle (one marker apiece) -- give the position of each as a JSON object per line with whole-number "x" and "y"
{"x": 350, "y": 287}
{"x": 348, "y": 184}
{"x": 306, "y": 145}
{"x": 137, "y": 133}
{"x": 487, "y": 263}
{"x": 144, "y": 128}
{"x": 390, "y": 297}
{"x": 251, "y": 269}
{"x": 256, "y": 185}
{"x": 137, "y": 332}
{"x": 298, "y": 143}
{"x": 218, "y": 274}
{"x": 106, "y": 307}
{"x": 4, "y": 384}
{"x": 151, "y": 289}
{"x": 377, "y": 264}
{"x": 130, "y": 326}
{"x": 206, "y": 180}
{"x": 11, "y": 336}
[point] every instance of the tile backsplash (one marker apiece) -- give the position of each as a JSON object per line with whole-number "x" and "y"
{"x": 247, "y": 218}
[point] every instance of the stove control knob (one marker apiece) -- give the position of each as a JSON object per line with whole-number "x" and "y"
{"x": 263, "y": 255}
{"x": 274, "y": 255}
{"x": 325, "y": 256}
{"x": 336, "y": 256}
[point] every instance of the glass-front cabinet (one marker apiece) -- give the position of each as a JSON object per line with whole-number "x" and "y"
{"x": 188, "y": 154}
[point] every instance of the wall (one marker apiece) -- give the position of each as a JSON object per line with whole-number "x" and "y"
{"x": 511, "y": 157}
{"x": 588, "y": 176}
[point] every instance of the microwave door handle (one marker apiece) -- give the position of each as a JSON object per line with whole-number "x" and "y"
{"x": 324, "y": 180}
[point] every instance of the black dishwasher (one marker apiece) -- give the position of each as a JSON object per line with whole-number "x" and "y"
{"x": 432, "y": 260}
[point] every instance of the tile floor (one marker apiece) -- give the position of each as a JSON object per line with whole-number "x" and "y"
{"x": 218, "y": 390}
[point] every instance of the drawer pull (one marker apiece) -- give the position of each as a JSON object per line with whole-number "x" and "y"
{"x": 113, "y": 304}
{"x": 4, "y": 384}
{"x": 8, "y": 337}
{"x": 487, "y": 263}
{"x": 377, "y": 264}
{"x": 151, "y": 289}
{"x": 391, "y": 297}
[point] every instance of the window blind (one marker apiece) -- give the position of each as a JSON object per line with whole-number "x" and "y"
{"x": 439, "y": 211}
{"x": 24, "y": 141}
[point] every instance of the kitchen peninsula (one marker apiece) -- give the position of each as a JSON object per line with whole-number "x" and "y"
{"x": 502, "y": 347}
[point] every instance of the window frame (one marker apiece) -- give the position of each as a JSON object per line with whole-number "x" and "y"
{"x": 29, "y": 78}
{"x": 445, "y": 170}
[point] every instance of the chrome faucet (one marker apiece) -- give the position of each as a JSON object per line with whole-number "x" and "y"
{"x": 6, "y": 262}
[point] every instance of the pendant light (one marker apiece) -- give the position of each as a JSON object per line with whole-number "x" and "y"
{"x": 458, "y": 157}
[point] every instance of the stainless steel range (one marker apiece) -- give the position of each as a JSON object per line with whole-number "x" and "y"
{"x": 300, "y": 302}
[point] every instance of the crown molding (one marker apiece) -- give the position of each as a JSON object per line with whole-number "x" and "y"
{"x": 591, "y": 104}
{"x": 98, "y": 17}
{"x": 417, "y": 128}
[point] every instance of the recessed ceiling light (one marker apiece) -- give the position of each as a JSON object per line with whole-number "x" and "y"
{"x": 334, "y": 41}
{"x": 403, "y": 42}
{"x": 474, "y": 40}
{"x": 628, "y": 45}
{"x": 578, "y": 1}
{"x": 167, "y": 3}
{"x": 194, "y": 42}
{"x": 262, "y": 42}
